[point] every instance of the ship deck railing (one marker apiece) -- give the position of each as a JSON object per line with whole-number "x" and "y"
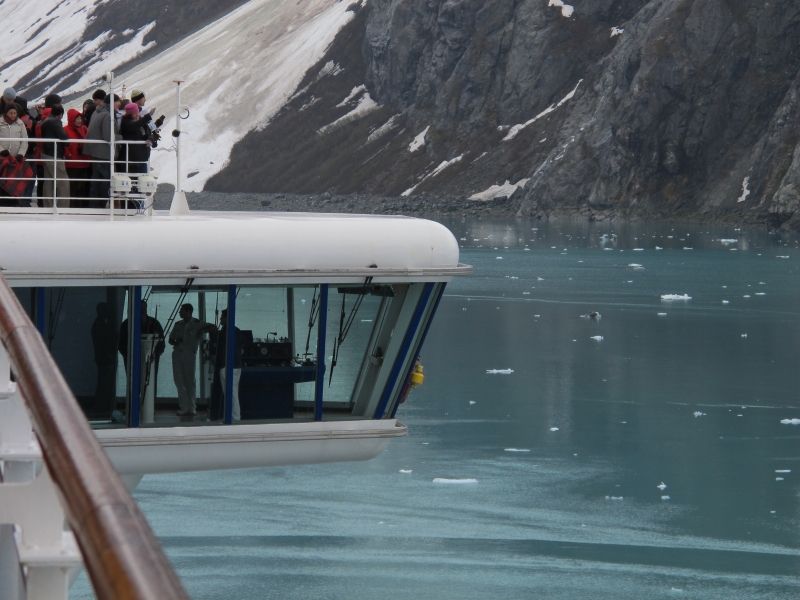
{"x": 130, "y": 203}
{"x": 54, "y": 470}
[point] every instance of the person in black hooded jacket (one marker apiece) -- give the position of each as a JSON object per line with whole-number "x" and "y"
{"x": 134, "y": 128}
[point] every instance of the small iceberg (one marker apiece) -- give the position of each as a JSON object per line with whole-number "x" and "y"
{"x": 697, "y": 413}
{"x": 761, "y": 294}
{"x": 779, "y": 479}
{"x": 726, "y": 302}
{"x": 614, "y": 497}
{"x": 744, "y": 335}
{"x": 554, "y": 429}
{"x": 746, "y": 296}
{"x": 781, "y": 257}
{"x": 790, "y": 421}
{"x": 638, "y": 249}
{"x": 454, "y": 481}
{"x": 659, "y": 248}
{"x": 676, "y": 297}
{"x": 687, "y": 248}
{"x": 662, "y": 486}
{"x": 665, "y": 497}
{"x": 729, "y": 240}
{"x": 472, "y": 401}
{"x": 599, "y": 338}
{"x": 592, "y": 314}
{"x": 499, "y": 371}
{"x": 636, "y": 267}
{"x": 662, "y": 314}
{"x": 783, "y": 470}
{"x": 516, "y": 450}
{"x": 405, "y": 470}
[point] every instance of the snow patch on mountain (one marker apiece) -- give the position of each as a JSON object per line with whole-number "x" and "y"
{"x": 254, "y": 57}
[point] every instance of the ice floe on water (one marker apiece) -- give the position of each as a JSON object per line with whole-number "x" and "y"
{"x": 554, "y": 429}
{"x": 454, "y": 481}
{"x": 499, "y": 371}
{"x": 419, "y": 141}
{"x": 781, "y": 257}
{"x": 405, "y": 470}
{"x": 662, "y": 486}
{"x": 697, "y": 413}
{"x": 472, "y": 402}
{"x": 744, "y": 335}
{"x": 516, "y": 450}
{"x": 665, "y": 497}
{"x": 659, "y": 248}
{"x": 727, "y": 241}
{"x": 614, "y": 497}
{"x": 599, "y": 338}
{"x": 726, "y": 301}
{"x": 790, "y": 421}
{"x": 636, "y": 267}
{"x": 761, "y": 294}
{"x": 662, "y": 314}
{"x": 676, "y": 297}
{"x": 638, "y": 249}
{"x": 783, "y": 470}
{"x": 779, "y": 479}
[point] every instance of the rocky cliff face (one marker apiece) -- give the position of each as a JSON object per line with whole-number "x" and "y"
{"x": 610, "y": 108}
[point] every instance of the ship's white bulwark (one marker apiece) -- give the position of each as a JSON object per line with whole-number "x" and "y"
{"x": 178, "y": 449}
{"x": 215, "y": 246}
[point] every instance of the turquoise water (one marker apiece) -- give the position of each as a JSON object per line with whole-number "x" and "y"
{"x": 578, "y": 513}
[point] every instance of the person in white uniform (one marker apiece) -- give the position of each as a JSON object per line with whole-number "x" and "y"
{"x": 185, "y": 338}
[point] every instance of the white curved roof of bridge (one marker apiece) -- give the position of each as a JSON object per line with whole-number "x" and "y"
{"x": 217, "y": 245}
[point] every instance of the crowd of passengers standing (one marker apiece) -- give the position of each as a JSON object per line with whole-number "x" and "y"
{"x": 74, "y": 170}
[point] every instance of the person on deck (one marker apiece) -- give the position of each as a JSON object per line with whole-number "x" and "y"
{"x": 222, "y": 359}
{"x": 150, "y": 326}
{"x": 88, "y": 109}
{"x": 135, "y": 129}
{"x": 10, "y": 96}
{"x": 101, "y": 129}
{"x": 185, "y": 338}
{"x": 53, "y": 159}
{"x": 12, "y": 153}
{"x": 78, "y": 167}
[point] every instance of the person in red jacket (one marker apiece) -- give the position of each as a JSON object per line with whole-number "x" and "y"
{"x": 78, "y": 165}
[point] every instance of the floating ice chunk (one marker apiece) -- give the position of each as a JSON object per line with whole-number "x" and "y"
{"x": 744, "y": 335}
{"x": 526, "y": 293}
{"x": 761, "y": 294}
{"x": 517, "y": 450}
{"x": 726, "y": 302}
{"x": 676, "y": 297}
{"x": 745, "y": 190}
{"x": 499, "y": 258}
{"x": 761, "y": 283}
{"x": 472, "y": 402}
{"x": 746, "y": 296}
{"x": 539, "y": 279}
{"x": 554, "y": 429}
{"x": 662, "y": 486}
{"x": 419, "y": 141}
{"x": 615, "y": 31}
{"x": 499, "y": 371}
{"x": 608, "y": 249}
{"x": 406, "y": 470}
{"x": 659, "y": 248}
{"x": 697, "y": 413}
{"x": 614, "y": 497}
{"x": 779, "y": 479}
{"x": 638, "y": 249}
{"x": 665, "y": 497}
{"x": 566, "y": 9}
{"x": 781, "y": 257}
{"x": 454, "y": 481}
{"x": 599, "y": 338}
{"x": 729, "y": 240}
{"x": 687, "y": 248}
{"x": 783, "y": 470}
{"x": 636, "y": 266}
{"x": 790, "y": 421}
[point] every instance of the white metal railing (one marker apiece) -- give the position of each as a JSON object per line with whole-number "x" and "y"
{"x": 135, "y": 200}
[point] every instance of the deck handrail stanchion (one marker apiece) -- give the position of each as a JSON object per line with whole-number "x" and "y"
{"x": 122, "y": 555}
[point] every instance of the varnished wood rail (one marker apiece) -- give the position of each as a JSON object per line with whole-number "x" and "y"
{"x": 121, "y": 553}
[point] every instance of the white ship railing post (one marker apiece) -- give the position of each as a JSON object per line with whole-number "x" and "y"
{"x": 179, "y": 205}
{"x": 112, "y": 147}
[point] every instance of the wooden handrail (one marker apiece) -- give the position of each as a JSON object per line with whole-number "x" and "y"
{"x": 124, "y": 559}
